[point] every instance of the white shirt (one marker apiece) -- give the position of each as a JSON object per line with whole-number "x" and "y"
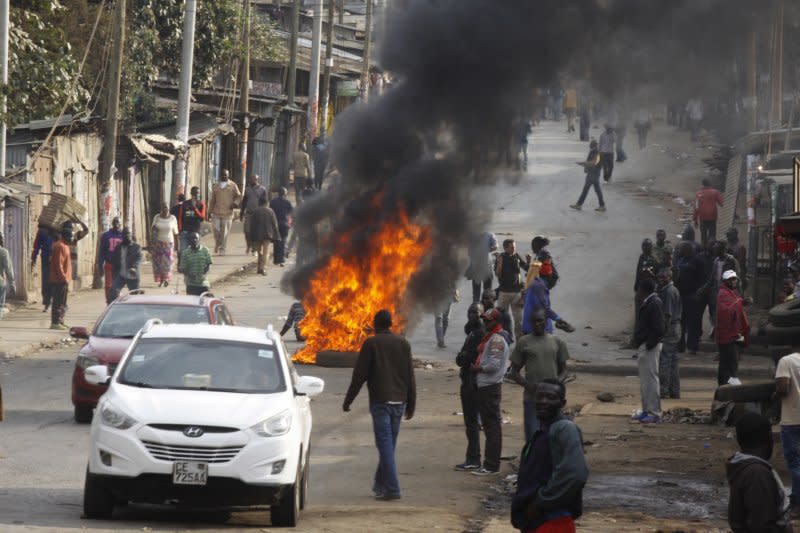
{"x": 165, "y": 228}
{"x": 789, "y": 367}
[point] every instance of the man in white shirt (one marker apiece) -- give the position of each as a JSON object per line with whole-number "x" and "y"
{"x": 787, "y": 388}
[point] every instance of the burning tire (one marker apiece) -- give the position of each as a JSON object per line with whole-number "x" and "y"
{"x": 334, "y": 359}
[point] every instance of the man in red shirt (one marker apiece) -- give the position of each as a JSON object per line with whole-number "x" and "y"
{"x": 731, "y": 329}
{"x": 705, "y": 211}
{"x": 60, "y": 276}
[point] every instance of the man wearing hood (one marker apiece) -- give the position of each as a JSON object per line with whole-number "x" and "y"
{"x": 668, "y": 378}
{"x": 469, "y": 401}
{"x": 757, "y": 500}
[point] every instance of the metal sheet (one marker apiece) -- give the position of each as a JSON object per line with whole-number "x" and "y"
{"x": 733, "y": 181}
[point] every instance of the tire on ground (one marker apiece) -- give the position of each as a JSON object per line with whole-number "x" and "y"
{"x": 786, "y": 314}
{"x": 778, "y": 351}
{"x": 755, "y": 391}
{"x": 783, "y": 335}
{"x": 285, "y": 512}
{"x": 334, "y": 359}
{"x": 83, "y": 413}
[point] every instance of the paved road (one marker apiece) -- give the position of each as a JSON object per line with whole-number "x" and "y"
{"x": 43, "y": 453}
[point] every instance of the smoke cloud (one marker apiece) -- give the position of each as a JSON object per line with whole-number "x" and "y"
{"x": 465, "y": 71}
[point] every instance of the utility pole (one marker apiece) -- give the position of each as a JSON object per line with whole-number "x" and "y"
{"x": 291, "y": 82}
{"x": 4, "y": 14}
{"x": 752, "y": 83}
{"x": 341, "y": 11}
{"x": 326, "y": 80}
{"x": 108, "y": 158}
{"x": 244, "y": 96}
{"x": 313, "y": 82}
{"x": 185, "y": 93}
{"x": 367, "y": 53}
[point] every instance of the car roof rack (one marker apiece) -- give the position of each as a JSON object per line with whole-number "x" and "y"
{"x": 150, "y": 323}
{"x": 125, "y": 296}
{"x": 206, "y": 294}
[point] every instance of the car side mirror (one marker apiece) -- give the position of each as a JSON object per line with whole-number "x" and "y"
{"x": 309, "y": 386}
{"x": 96, "y": 375}
{"x": 79, "y": 332}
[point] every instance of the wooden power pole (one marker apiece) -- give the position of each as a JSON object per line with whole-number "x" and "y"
{"x": 244, "y": 97}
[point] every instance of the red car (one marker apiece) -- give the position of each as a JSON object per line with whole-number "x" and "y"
{"x": 116, "y": 327}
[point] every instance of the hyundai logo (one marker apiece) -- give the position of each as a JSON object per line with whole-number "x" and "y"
{"x": 193, "y": 431}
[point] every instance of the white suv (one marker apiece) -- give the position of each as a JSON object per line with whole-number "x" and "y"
{"x": 202, "y": 416}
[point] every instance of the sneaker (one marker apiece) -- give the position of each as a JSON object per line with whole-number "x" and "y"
{"x": 387, "y": 497}
{"x": 466, "y": 467}
{"x": 602, "y": 209}
{"x": 59, "y": 326}
{"x": 638, "y": 415}
{"x": 576, "y": 207}
{"x": 650, "y": 419}
{"x": 482, "y": 472}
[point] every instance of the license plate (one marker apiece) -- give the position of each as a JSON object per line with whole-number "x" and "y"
{"x": 189, "y": 473}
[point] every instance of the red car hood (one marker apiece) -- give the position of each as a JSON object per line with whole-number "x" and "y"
{"x": 106, "y": 349}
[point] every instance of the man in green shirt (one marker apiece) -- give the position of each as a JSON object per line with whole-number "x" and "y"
{"x": 194, "y": 264}
{"x": 543, "y": 356}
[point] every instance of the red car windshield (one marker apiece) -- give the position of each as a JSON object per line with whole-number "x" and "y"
{"x": 124, "y": 320}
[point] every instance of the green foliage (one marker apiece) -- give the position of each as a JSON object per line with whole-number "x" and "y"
{"x": 265, "y": 45}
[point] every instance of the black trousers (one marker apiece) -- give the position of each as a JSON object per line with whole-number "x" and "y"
{"x": 59, "y": 293}
{"x": 728, "y": 362}
{"x": 196, "y": 290}
{"x": 708, "y": 231}
{"x": 479, "y": 286}
{"x": 469, "y": 406}
{"x": 489, "y": 407}
{"x": 592, "y": 180}
{"x": 279, "y": 247}
{"x": 47, "y": 292}
{"x": 691, "y": 322}
{"x": 607, "y": 162}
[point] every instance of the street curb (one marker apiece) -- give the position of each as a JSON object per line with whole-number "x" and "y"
{"x": 686, "y": 371}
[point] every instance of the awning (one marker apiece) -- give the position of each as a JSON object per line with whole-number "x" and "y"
{"x": 18, "y": 190}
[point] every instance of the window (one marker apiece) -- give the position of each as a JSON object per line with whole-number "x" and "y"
{"x": 124, "y": 320}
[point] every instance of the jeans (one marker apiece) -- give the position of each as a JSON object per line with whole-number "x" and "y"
{"x": 386, "y": 425}
{"x": 120, "y": 282}
{"x": 479, "y": 286}
{"x": 489, "y": 407}
{"x": 668, "y": 377}
{"x": 440, "y": 322}
{"x": 648, "y": 379}
{"x": 47, "y": 291}
{"x": 592, "y": 180}
{"x": 708, "y": 231}
{"x": 531, "y": 421}
{"x": 59, "y": 307}
{"x": 790, "y": 442}
{"x": 607, "y": 162}
{"x": 728, "y": 362}
{"x": 469, "y": 406}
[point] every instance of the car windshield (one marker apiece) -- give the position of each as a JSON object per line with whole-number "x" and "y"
{"x": 124, "y": 320}
{"x": 204, "y": 364}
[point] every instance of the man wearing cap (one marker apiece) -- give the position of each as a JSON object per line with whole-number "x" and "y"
{"x": 731, "y": 328}
{"x": 489, "y": 369}
{"x": 722, "y": 262}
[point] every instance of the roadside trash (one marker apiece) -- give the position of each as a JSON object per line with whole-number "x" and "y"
{"x": 605, "y": 397}
{"x": 734, "y": 381}
{"x": 458, "y": 413}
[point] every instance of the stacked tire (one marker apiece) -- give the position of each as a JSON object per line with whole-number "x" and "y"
{"x": 783, "y": 330}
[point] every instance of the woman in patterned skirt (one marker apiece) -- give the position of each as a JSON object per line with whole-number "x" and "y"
{"x": 163, "y": 249}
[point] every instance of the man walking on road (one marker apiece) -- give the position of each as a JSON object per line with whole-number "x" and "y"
{"x": 263, "y": 230}
{"x": 489, "y": 369}
{"x": 385, "y": 364}
{"x": 191, "y": 215}
{"x": 320, "y": 152}
{"x": 480, "y": 263}
{"x": 224, "y": 197}
{"x": 508, "y": 268}
{"x": 194, "y": 265}
{"x": 282, "y": 208}
{"x": 6, "y": 275}
{"x": 757, "y": 499}
{"x": 731, "y": 328}
{"x": 60, "y": 276}
{"x": 108, "y": 242}
{"x": 253, "y": 193}
{"x": 787, "y": 389}
{"x": 705, "y": 211}
{"x": 469, "y": 389}
{"x": 552, "y": 469}
{"x": 543, "y": 356}
{"x": 301, "y": 164}
{"x": 125, "y": 261}
{"x": 607, "y": 144}
{"x": 592, "y": 167}
{"x": 650, "y": 326}
{"x": 668, "y": 377}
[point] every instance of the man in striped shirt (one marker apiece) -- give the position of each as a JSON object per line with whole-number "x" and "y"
{"x": 194, "y": 265}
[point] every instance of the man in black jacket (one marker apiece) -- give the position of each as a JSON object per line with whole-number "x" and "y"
{"x": 385, "y": 364}
{"x": 757, "y": 498}
{"x": 125, "y": 261}
{"x": 469, "y": 389}
{"x": 647, "y": 337}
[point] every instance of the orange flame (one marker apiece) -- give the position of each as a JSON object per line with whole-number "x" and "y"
{"x": 345, "y": 294}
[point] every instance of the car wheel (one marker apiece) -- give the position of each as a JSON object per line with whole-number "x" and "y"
{"x": 83, "y": 413}
{"x": 286, "y": 511}
{"x": 783, "y": 335}
{"x": 98, "y": 502}
{"x": 786, "y": 314}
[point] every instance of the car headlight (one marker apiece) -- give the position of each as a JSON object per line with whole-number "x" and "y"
{"x": 85, "y": 361}
{"x": 275, "y": 426}
{"x": 114, "y": 417}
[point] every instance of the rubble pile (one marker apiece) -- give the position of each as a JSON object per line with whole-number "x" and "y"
{"x": 684, "y": 415}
